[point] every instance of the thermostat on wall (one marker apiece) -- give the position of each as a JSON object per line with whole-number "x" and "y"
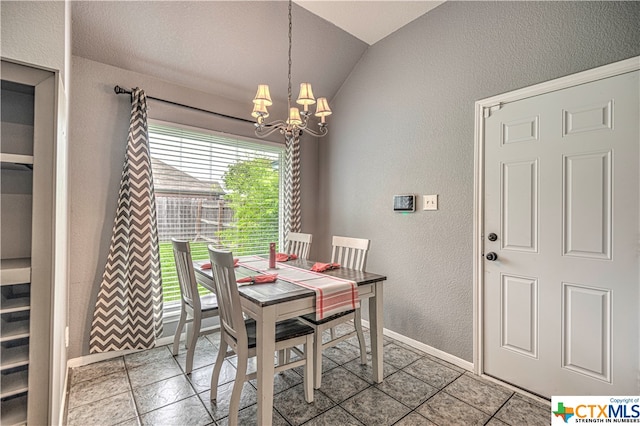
{"x": 404, "y": 203}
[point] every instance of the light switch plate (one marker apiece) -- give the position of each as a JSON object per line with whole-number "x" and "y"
{"x": 430, "y": 202}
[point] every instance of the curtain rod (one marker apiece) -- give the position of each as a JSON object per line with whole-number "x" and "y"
{"x": 121, "y": 91}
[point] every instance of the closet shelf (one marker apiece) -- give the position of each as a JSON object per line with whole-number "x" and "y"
{"x": 15, "y": 271}
{"x": 14, "y": 411}
{"x": 14, "y": 357}
{"x": 14, "y": 383}
{"x": 28, "y": 159}
{"x": 9, "y": 159}
{"x": 16, "y": 304}
{"x": 14, "y": 330}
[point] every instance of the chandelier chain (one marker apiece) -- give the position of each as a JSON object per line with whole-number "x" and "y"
{"x": 297, "y": 121}
{"x": 289, "y": 74}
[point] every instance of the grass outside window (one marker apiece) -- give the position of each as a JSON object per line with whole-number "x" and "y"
{"x": 170, "y": 285}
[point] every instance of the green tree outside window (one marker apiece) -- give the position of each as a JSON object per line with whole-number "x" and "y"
{"x": 252, "y": 194}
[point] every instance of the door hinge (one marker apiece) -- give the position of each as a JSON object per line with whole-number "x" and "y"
{"x": 488, "y": 110}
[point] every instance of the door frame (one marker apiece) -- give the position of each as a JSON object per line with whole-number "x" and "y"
{"x": 483, "y": 108}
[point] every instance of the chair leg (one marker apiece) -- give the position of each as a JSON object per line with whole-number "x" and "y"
{"x": 282, "y": 358}
{"x": 217, "y": 368}
{"x": 176, "y": 338}
{"x": 308, "y": 369}
{"x": 317, "y": 358}
{"x": 192, "y": 340}
{"x": 363, "y": 347}
{"x": 241, "y": 372}
{"x": 332, "y": 330}
{"x": 188, "y": 327}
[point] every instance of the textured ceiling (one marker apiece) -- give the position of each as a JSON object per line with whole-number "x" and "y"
{"x": 370, "y": 21}
{"x": 224, "y": 47}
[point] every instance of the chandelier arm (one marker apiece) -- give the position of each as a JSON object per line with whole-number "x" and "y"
{"x": 264, "y": 131}
{"x": 323, "y": 131}
{"x": 276, "y": 123}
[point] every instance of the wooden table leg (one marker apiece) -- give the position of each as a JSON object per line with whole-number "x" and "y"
{"x": 266, "y": 346}
{"x": 376, "y": 324}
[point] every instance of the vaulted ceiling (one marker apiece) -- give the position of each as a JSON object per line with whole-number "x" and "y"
{"x": 228, "y": 47}
{"x": 370, "y": 21}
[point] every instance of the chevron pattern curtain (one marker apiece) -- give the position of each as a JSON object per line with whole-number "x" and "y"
{"x": 128, "y": 311}
{"x": 292, "y": 213}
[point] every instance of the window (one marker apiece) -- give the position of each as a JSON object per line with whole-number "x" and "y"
{"x": 212, "y": 188}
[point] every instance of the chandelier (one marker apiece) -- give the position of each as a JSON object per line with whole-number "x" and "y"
{"x": 298, "y": 120}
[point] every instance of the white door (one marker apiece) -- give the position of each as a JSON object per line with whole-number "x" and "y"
{"x": 561, "y": 301}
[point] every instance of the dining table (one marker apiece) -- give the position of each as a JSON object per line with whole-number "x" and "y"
{"x": 280, "y": 300}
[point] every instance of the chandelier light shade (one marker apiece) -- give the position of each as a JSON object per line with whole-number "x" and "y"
{"x": 297, "y": 121}
{"x": 305, "y": 97}
{"x": 322, "y": 110}
{"x": 263, "y": 96}
{"x": 294, "y": 117}
{"x": 259, "y": 110}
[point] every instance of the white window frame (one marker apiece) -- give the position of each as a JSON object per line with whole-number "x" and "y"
{"x": 171, "y": 311}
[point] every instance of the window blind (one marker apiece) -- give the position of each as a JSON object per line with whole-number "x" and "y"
{"x": 213, "y": 188}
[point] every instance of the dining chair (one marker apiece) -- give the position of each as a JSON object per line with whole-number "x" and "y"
{"x": 240, "y": 335}
{"x": 349, "y": 253}
{"x": 193, "y": 307}
{"x": 299, "y": 244}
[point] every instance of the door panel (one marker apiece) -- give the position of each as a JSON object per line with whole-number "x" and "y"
{"x": 588, "y": 118}
{"x": 587, "y": 318}
{"x": 587, "y": 205}
{"x": 520, "y": 205}
{"x": 562, "y": 188}
{"x": 525, "y": 130}
{"x": 520, "y": 314}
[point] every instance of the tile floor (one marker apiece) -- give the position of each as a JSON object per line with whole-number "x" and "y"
{"x": 150, "y": 388}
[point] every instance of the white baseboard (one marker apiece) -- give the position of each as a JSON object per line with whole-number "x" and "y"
{"x": 103, "y": 356}
{"x": 455, "y": 361}
{"x": 90, "y": 359}
{"x": 426, "y": 348}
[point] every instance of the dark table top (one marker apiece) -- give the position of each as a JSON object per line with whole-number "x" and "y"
{"x": 283, "y": 291}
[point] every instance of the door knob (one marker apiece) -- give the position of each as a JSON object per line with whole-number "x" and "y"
{"x": 491, "y": 256}
{"x": 492, "y": 237}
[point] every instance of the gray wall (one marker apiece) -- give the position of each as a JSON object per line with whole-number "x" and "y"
{"x": 34, "y": 33}
{"x": 99, "y": 123}
{"x": 403, "y": 122}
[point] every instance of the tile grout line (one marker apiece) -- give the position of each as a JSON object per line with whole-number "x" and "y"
{"x": 403, "y": 353}
{"x": 135, "y": 403}
{"x": 67, "y": 409}
{"x": 500, "y": 408}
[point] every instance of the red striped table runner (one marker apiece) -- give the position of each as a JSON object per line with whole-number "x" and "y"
{"x": 333, "y": 295}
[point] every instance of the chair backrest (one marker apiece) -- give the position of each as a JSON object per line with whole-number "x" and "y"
{"x": 186, "y": 274}
{"x": 299, "y": 244}
{"x": 350, "y": 252}
{"x": 230, "y": 310}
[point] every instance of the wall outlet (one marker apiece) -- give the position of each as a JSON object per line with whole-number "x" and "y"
{"x": 430, "y": 202}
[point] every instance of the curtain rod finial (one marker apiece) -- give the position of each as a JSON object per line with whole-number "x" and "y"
{"x": 119, "y": 90}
